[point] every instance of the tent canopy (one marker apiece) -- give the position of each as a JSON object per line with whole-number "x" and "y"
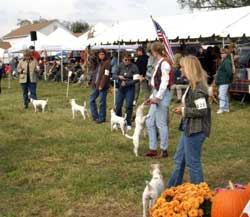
{"x": 233, "y": 22}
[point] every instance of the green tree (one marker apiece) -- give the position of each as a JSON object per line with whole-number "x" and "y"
{"x": 79, "y": 27}
{"x": 23, "y": 22}
{"x": 213, "y": 4}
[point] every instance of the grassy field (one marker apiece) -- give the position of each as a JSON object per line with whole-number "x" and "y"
{"x": 51, "y": 165}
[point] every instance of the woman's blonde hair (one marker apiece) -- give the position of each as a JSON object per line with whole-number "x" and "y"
{"x": 194, "y": 71}
{"x": 158, "y": 48}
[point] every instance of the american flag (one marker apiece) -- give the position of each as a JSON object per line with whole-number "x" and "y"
{"x": 162, "y": 37}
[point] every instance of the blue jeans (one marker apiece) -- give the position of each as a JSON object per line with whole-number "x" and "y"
{"x": 223, "y": 96}
{"x": 26, "y": 87}
{"x": 127, "y": 93}
{"x": 101, "y": 116}
{"x": 188, "y": 154}
{"x": 158, "y": 119}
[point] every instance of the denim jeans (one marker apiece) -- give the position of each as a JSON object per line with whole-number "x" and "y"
{"x": 28, "y": 87}
{"x": 127, "y": 93}
{"x": 158, "y": 119}
{"x": 223, "y": 96}
{"x": 188, "y": 155}
{"x": 101, "y": 115}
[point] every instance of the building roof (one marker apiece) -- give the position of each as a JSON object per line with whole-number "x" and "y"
{"x": 24, "y": 31}
{"x": 5, "y": 45}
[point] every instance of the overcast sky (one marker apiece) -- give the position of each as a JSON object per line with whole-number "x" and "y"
{"x": 93, "y": 11}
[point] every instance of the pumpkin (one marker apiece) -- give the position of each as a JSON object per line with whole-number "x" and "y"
{"x": 230, "y": 203}
{"x": 248, "y": 188}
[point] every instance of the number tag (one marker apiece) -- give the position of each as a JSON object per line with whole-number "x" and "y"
{"x": 106, "y": 72}
{"x": 201, "y": 103}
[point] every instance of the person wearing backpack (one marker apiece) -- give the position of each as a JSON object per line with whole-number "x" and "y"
{"x": 159, "y": 101}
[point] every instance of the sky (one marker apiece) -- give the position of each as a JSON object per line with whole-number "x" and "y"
{"x": 92, "y": 11}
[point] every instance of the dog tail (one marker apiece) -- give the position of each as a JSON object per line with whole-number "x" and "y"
{"x": 129, "y": 137}
{"x": 125, "y": 117}
{"x": 47, "y": 100}
{"x": 85, "y": 104}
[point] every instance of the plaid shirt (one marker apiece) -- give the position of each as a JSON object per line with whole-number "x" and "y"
{"x": 198, "y": 117}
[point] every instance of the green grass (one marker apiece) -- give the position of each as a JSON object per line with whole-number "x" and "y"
{"x": 51, "y": 165}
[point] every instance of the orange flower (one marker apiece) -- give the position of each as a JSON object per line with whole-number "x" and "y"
{"x": 186, "y": 205}
{"x": 193, "y": 213}
{"x": 200, "y": 212}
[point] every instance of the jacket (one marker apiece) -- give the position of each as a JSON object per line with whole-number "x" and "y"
{"x": 225, "y": 72}
{"x": 142, "y": 63}
{"x": 197, "y": 111}
{"x": 128, "y": 72}
{"x": 22, "y": 70}
{"x": 103, "y": 80}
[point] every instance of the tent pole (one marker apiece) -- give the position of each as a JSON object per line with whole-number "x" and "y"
{"x": 45, "y": 65}
{"x": 223, "y": 42}
{"x": 62, "y": 66}
{"x": 9, "y": 77}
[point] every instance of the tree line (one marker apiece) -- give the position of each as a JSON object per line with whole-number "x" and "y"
{"x": 78, "y": 26}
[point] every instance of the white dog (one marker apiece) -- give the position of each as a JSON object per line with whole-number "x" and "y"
{"x": 78, "y": 108}
{"x": 39, "y": 104}
{"x": 153, "y": 189}
{"x": 120, "y": 121}
{"x": 139, "y": 127}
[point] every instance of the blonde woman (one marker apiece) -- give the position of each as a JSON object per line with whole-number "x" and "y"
{"x": 195, "y": 124}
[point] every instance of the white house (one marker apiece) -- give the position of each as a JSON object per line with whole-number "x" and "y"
{"x": 45, "y": 27}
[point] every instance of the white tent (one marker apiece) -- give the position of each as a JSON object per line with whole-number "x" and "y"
{"x": 233, "y": 22}
{"x": 64, "y": 40}
{"x": 59, "y": 40}
{"x": 97, "y": 30}
{"x": 24, "y": 43}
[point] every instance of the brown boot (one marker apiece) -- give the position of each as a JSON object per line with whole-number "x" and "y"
{"x": 164, "y": 154}
{"x": 151, "y": 153}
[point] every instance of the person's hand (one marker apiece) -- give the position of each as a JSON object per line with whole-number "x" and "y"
{"x": 122, "y": 78}
{"x": 142, "y": 78}
{"x": 178, "y": 110}
{"x": 152, "y": 101}
{"x": 123, "y": 83}
{"x": 100, "y": 89}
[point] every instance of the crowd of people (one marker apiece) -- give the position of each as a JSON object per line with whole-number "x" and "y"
{"x": 148, "y": 77}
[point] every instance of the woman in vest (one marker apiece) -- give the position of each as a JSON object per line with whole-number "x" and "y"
{"x": 195, "y": 124}
{"x": 159, "y": 101}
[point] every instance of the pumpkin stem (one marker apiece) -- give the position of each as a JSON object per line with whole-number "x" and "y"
{"x": 231, "y": 185}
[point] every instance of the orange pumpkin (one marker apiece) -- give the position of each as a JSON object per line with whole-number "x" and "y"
{"x": 230, "y": 203}
{"x": 248, "y": 188}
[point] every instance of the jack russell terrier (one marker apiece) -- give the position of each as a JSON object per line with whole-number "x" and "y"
{"x": 120, "y": 121}
{"x": 139, "y": 127}
{"x": 153, "y": 189}
{"x": 78, "y": 108}
{"x": 39, "y": 104}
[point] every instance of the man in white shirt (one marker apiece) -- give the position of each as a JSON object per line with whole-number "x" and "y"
{"x": 159, "y": 101}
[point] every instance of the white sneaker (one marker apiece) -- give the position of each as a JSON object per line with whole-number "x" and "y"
{"x": 227, "y": 110}
{"x": 134, "y": 103}
{"x": 220, "y": 112}
{"x": 129, "y": 128}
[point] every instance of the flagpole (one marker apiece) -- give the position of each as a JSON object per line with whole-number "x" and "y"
{"x": 165, "y": 41}
{"x": 69, "y": 75}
